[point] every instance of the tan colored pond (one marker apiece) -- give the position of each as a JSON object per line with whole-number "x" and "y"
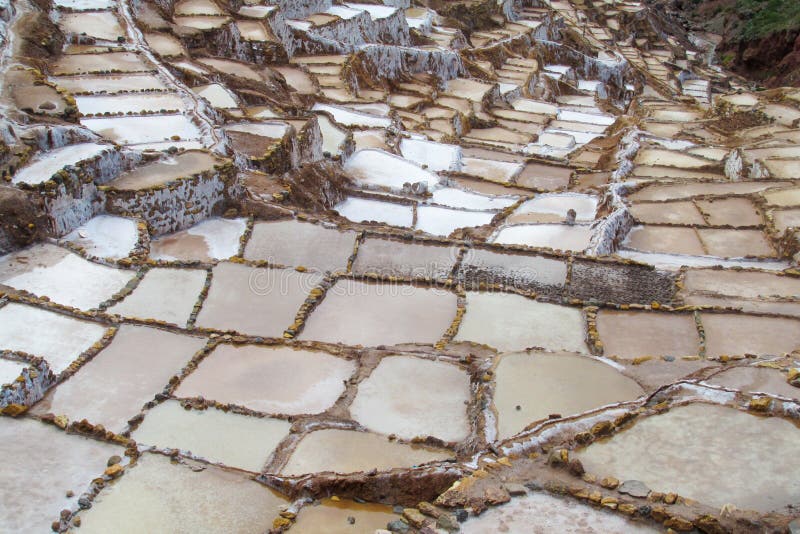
{"x": 532, "y": 386}
{"x": 709, "y": 453}
{"x": 511, "y": 322}
{"x": 342, "y": 517}
{"x": 158, "y": 496}
{"x": 229, "y": 438}
{"x": 277, "y": 380}
{"x": 629, "y": 335}
{"x": 729, "y": 334}
{"x": 407, "y": 314}
{"x": 64, "y": 463}
{"x": 167, "y": 295}
{"x": 254, "y": 300}
{"x": 160, "y": 172}
{"x": 411, "y": 397}
{"x": 294, "y": 243}
{"x": 349, "y": 451}
{"x": 111, "y": 388}
{"x": 756, "y": 380}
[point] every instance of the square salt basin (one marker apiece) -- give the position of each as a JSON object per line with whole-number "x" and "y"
{"x": 113, "y": 386}
{"x": 629, "y": 335}
{"x": 156, "y": 495}
{"x": 665, "y": 239}
{"x": 511, "y": 322}
{"x": 730, "y": 211}
{"x": 555, "y": 236}
{"x": 401, "y": 259}
{"x": 59, "y": 339}
{"x": 253, "y": 300}
{"x": 229, "y": 438}
{"x": 64, "y": 277}
{"x": 532, "y": 386}
{"x": 730, "y": 334}
{"x": 270, "y": 380}
{"x": 34, "y": 497}
{"x": 294, "y": 243}
{"x": 212, "y": 239}
{"x": 349, "y": 451}
{"x": 360, "y": 313}
{"x": 520, "y": 271}
{"x": 735, "y": 243}
{"x": 410, "y": 397}
{"x": 167, "y": 295}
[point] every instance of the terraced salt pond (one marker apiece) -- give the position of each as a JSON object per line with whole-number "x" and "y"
{"x": 189, "y": 500}
{"x": 293, "y": 243}
{"x": 113, "y": 400}
{"x": 715, "y": 463}
{"x": 256, "y": 301}
{"x": 45, "y": 165}
{"x": 60, "y": 339}
{"x": 106, "y": 236}
{"x": 532, "y": 386}
{"x": 343, "y": 517}
{"x": 411, "y": 397}
{"x": 409, "y": 314}
{"x": 756, "y": 380}
{"x": 167, "y": 295}
{"x": 212, "y": 239}
{"x": 299, "y": 381}
{"x": 509, "y": 322}
{"x": 542, "y": 512}
{"x": 64, "y": 464}
{"x": 556, "y": 236}
{"x": 232, "y": 439}
{"x": 349, "y": 451}
{"x": 64, "y": 277}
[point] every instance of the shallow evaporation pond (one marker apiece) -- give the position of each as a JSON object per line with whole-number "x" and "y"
{"x": 110, "y": 83}
{"x": 167, "y": 295}
{"x": 40, "y": 465}
{"x": 294, "y": 243}
{"x": 44, "y": 165}
{"x": 436, "y": 156}
{"x": 138, "y": 130}
{"x": 556, "y": 236}
{"x": 212, "y": 239}
{"x": 342, "y": 517}
{"x": 713, "y": 454}
{"x": 554, "y": 208}
{"x": 157, "y": 496}
{"x": 64, "y": 277}
{"x": 542, "y": 512}
{"x": 59, "y": 339}
{"x": 348, "y": 117}
{"x": 366, "y": 210}
{"x": 457, "y": 198}
{"x": 97, "y": 105}
{"x": 255, "y": 300}
{"x": 410, "y": 397}
{"x": 350, "y": 451}
{"x": 270, "y": 380}
{"x": 359, "y": 313}
{"x": 161, "y": 172}
{"x": 756, "y": 380}
{"x": 378, "y": 168}
{"x": 511, "y": 322}
{"x": 532, "y": 386}
{"x": 106, "y": 236}
{"x": 113, "y": 386}
{"x": 443, "y": 221}
{"x": 332, "y": 136}
{"x": 235, "y": 440}
{"x": 413, "y": 260}
{"x": 738, "y": 334}
{"x": 630, "y": 334}
{"x": 98, "y": 24}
